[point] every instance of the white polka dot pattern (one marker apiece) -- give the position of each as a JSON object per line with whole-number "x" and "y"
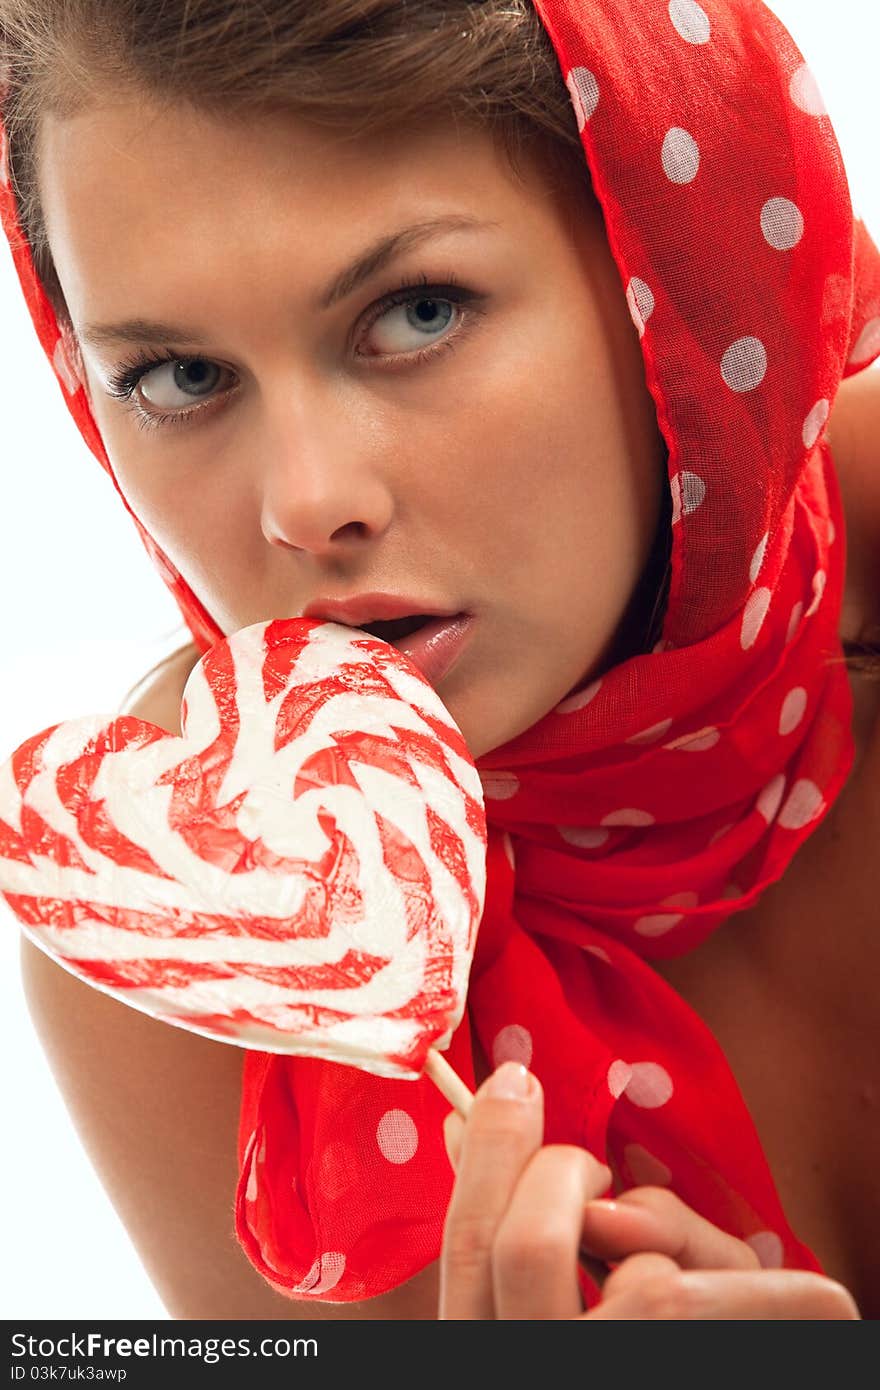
{"x": 397, "y": 1136}
{"x": 770, "y": 799}
{"x": 660, "y": 923}
{"x": 499, "y": 786}
{"x": 815, "y": 423}
{"x": 782, "y": 223}
{"x": 640, "y": 299}
{"x": 867, "y": 344}
{"x": 700, "y": 741}
{"x": 628, "y": 815}
{"x": 584, "y": 91}
{"x": 64, "y": 368}
{"x": 805, "y": 93}
{"x": 805, "y": 802}
{"x": 719, "y": 834}
{"x": 580, "y": 700}
{"x": 758, "y": 558}
{"x": 793, "y": 709}
{"x": 649, "y": 1087}
{"x": 599, "y": 952}
{"x": 619, "y": 1076}
{"x": 680, "y": 156}
{"x": 324, "y": 1274}
{"x": 820, "y": 579}
{"x": 251, "y": 1159}
{"x": 652, "y": 735}
{"x": 688, "y": 493}
{"x": 690, "y": 20}
{"x": 794, "y": 621}
{"x": 744, "y": 364}
{"x": 583, "y": 836}
{"x": 754, "y": 614}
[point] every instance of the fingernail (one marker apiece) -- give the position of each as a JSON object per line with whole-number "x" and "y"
{"x": 510, "y": 1081}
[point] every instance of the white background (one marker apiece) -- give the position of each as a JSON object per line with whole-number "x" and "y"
{"x": 84, "y": 615}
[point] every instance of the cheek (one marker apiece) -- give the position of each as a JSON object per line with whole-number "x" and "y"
{"x": 156, "y": 503}
{"x": 166, "y": 493}
{"x": 548, "y": 464}
{"x": 119, "y": 434}
{"x": 576, "y": 501}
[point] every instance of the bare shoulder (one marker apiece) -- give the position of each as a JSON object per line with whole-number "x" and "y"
{"x": 156, "y": 1109}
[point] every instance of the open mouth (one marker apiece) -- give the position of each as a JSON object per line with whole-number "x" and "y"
{"x": 389, "y": 630}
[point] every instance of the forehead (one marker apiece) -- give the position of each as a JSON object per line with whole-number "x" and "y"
{"x": 125, "y": 181}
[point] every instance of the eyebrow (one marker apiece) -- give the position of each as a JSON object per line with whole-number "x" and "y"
{"x": 375, "y": 258}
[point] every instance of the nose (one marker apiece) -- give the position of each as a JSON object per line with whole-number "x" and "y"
{"x": 321, "y": 487}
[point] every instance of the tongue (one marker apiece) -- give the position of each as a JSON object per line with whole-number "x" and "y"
{"x": 390, "y": 630}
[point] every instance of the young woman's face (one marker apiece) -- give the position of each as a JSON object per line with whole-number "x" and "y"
{"x": 486, "y": 443}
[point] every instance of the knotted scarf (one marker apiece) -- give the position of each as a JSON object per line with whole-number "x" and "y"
{"x": 653, "y": 803}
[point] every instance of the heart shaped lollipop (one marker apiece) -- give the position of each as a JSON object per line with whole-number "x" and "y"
{"x": 303, "y": 871}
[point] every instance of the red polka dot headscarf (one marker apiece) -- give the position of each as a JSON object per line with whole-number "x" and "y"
{"x": 651, "y": 805}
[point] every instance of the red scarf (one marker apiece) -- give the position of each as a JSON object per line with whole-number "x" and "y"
{"x": 646, "y": 808}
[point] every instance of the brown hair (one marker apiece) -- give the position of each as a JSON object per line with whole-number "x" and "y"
{"x": 357, "y": 67}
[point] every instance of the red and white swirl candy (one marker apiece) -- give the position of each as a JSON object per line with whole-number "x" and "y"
{"x": 303, "y": 871}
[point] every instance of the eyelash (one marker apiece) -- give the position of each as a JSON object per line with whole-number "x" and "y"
{"x": 123, "y": 381}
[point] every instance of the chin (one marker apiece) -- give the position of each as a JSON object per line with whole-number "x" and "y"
{"x": 478, "y": 733}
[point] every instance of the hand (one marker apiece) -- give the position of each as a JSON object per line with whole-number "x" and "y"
{"x": 521, "y": 1211}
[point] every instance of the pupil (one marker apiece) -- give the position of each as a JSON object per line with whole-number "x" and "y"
{"x": 427, "y": 311}
{"x": 194, "y": 373}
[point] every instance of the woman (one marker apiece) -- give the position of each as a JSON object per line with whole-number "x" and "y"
{"x": 623, "y": 474}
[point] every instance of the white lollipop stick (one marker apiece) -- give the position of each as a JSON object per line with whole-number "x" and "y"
{"x": 448, "y": 1082}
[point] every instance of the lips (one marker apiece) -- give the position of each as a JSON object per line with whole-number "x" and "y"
{"x": 435, "y": 647}
{"x": 360, "y": 610}
{"x": 431, "y": 637}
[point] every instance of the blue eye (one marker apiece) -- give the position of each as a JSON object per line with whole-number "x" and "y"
{"x": 193, "y": 376}
{"x": 422, "y": 311}
{"x": 429, "y": 309}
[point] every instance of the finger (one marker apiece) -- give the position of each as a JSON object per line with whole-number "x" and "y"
{"x": 535, "y": 1256}
{"x": 502, "y": 1131}
{"x": 652, "y": 1218}
{"x": 453, "y": 1128}
{"x": 630, "y": 1285}
{"x": 651, "y": 1292}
